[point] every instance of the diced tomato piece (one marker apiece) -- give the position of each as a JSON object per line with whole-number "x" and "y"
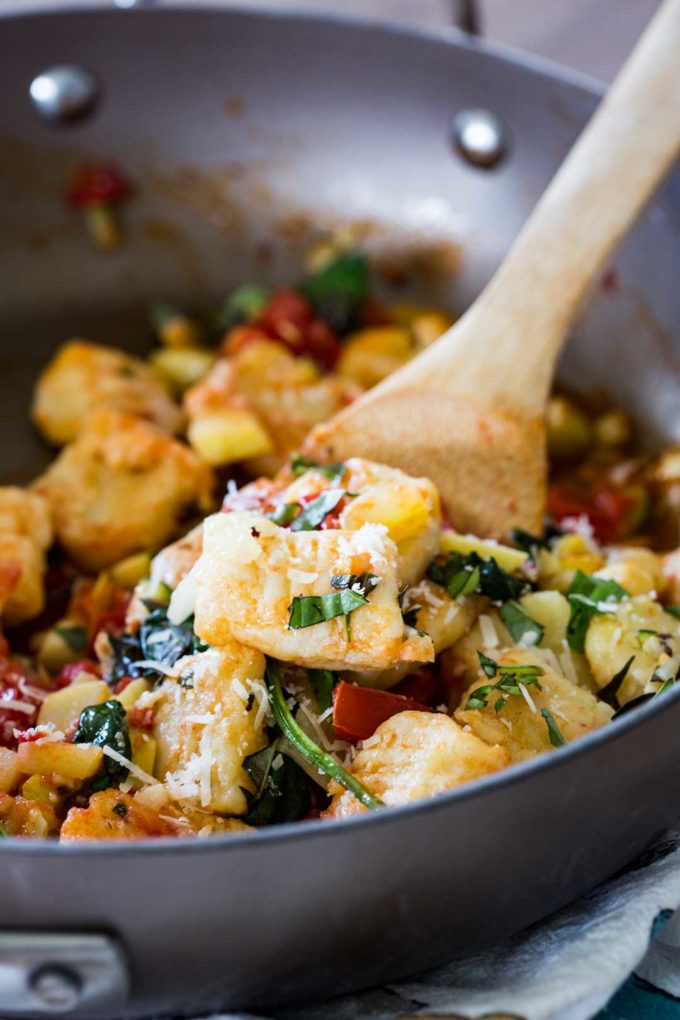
{"x": 421, "y": 686}
{"x": 19, "y": 703}
{"x": 358, "y": 711}
{"x": 71, "y": 670}
{"x": 98, "y": 184}
{"x": 613, "y": 513}
{"x": 289, "y": 319}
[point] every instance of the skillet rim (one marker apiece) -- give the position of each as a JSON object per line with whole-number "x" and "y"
{"x": 450, "y": 37}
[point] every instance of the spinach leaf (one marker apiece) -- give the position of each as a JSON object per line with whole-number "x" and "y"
{"x": 338, "y": 291}
{"x": 322, "y": 682}
{"x": 157, "y": 640}
{"x": 105, "y": 725}
{"x": 316, "y": 512}
{"x": 588, "y": 597}
{"x": 300, "y": 464}
{"x": 281, "y": 790}
{"x": 519, "y": 623}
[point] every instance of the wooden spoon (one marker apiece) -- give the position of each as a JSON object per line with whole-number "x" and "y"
{"x": 469, "y": 412}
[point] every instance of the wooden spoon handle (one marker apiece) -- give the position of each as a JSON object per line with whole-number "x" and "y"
{"x": 504, "y": 349}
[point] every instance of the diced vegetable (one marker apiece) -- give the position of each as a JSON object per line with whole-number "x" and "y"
{"x": 179, "y": 369}
{"x": 233, "y": 434}
{"x": 73, "y": 761}
{"x": 569, "y": 431}
{"x": 131, "y": 694}
{"x": 372, "y": 354}
{"x": 9, "y": 770}
{"x": 174, "y": 328}
{"x": 62, "y": 708}
{"x": 358, "y": 711}
{"x": 129, "y": 572}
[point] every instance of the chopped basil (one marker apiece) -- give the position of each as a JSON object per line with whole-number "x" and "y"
{"x": 463, "y": 575}
{"x": 105, "y": 725}
{"x": 489, "y": 665}
{"x": 512, "y": 678}
{"x": 609, "y": 692}
{"x": 318, "y": 758}
{"x": 74, "y": 637}
{"x": 673, "y": 610}
{"x": 322, "y": 682}
{"x": 554, "y": 732}
{"x": 299, "y": 464}
{"x": 3, "y": 833}
{"x": 645, "y": 633}
{"x": 315, "y": 512}
{"x": 338, "y": 291}
{"x": 284, "y": 514}
{"x": 519, "y": 623}
{"x": 308, "y": 610}
{"x": 120, "y": 809}
{"x": 588, "y": 597}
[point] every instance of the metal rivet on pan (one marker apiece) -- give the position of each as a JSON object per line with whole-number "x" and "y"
{"x": 56, "y": 988}
{"x": 480, "y": 137}
{"x": 64, "y": 93}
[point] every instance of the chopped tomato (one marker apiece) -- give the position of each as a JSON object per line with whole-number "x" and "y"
{"x": 289, "y": 318}
{"x": 71, "y": 670}
{"x": 98, "y": 184}
{"x": 358, "y": 711}
{"x": 20, "y": 697}
{"x": 614, "y": 513}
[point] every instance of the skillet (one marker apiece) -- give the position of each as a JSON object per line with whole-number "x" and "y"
{"x": 244, "y": 131}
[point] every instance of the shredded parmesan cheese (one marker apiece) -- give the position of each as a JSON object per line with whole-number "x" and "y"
{"x": 489, "y": 633}
{"x": 133, "y": 769}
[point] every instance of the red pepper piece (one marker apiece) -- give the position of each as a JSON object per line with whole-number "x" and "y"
{"x": 358, "y": 711}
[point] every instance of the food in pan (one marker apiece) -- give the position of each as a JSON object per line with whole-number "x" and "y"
{"x": 206, "y": 632}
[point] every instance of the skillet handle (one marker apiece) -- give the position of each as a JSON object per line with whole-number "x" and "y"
{"x": 45, "y": 974}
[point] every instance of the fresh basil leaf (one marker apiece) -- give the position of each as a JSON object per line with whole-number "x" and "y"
{"x": 322, "y": 682}
{"x": 554, "y": 732}
{"x": 315, "y": 512}
{"x": 609, "y": 692}
{"x": 489, "y": 666}
{"x": 319, "y": 759}
{"x": 284, "y": 514}
{"x": 477, "y": 699}
{"x": 673, "y": 610}
{"x": 308, "y": 610}
{"x": 104, "y": 725}
{"x": 338, "y": 291}
{"x": 519, "y": 623}
{"x": 463, "y": 575}
{"x": 75, "y": 637}
{"x": 300, "y": 464}
{"x": 361, "y": 583}
{"x": 3, "y": 833}
{"x": 588, "y": 597}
